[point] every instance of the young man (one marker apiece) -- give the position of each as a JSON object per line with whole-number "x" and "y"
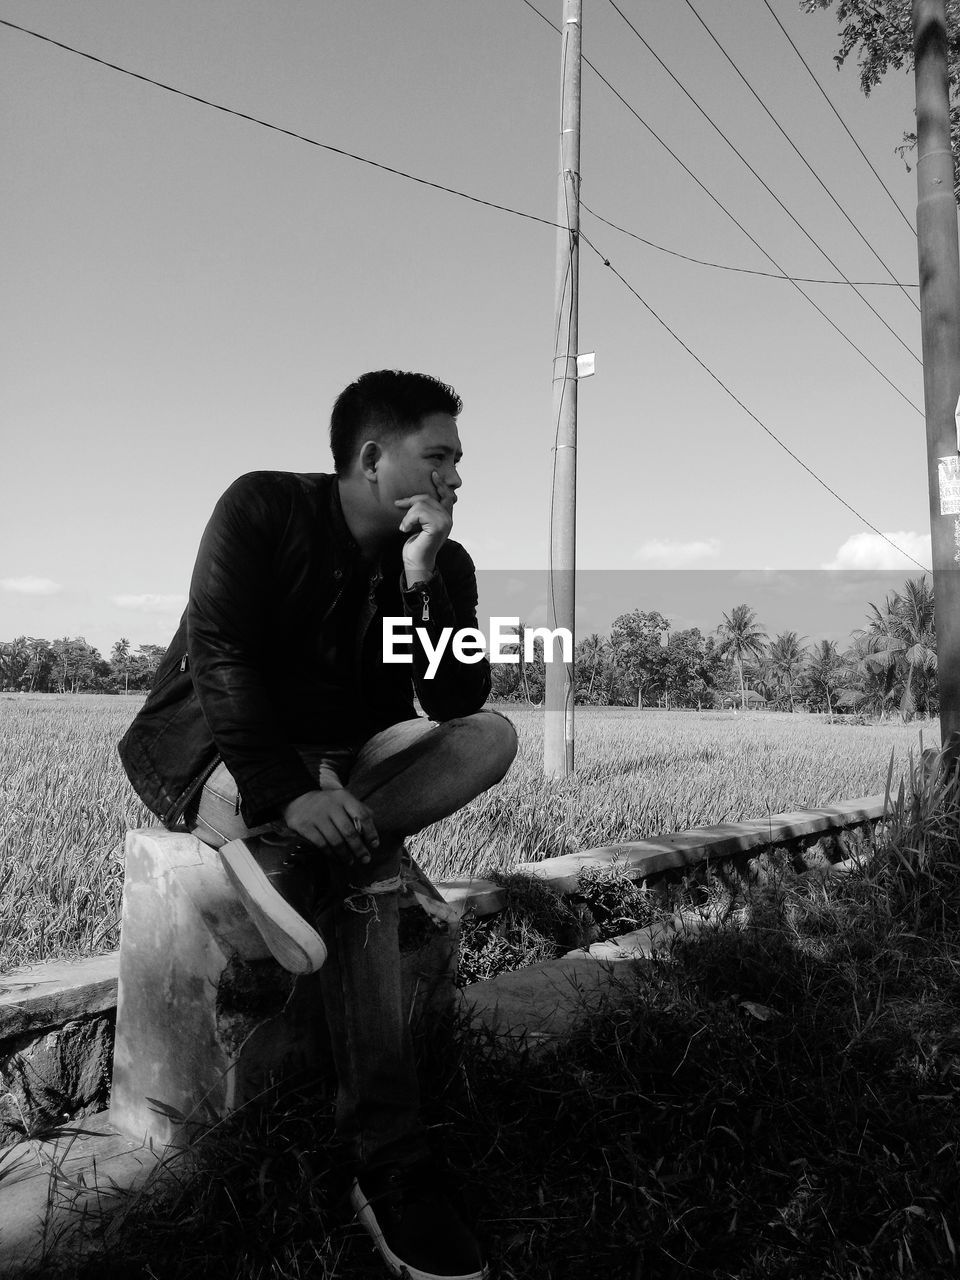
{"x": 276, "y": 733}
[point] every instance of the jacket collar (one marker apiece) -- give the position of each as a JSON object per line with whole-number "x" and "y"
{"x": 346, "y": 550}
{"x": 344, "y": 543}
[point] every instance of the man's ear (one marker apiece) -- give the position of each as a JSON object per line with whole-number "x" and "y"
{"x": 370, "y": 455}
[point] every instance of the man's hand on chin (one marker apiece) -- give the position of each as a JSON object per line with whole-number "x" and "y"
{"x": 427, "y": 521}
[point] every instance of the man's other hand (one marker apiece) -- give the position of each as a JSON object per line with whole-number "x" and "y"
{"x": 336, "y": 822}
{"x": 428, "y": 520}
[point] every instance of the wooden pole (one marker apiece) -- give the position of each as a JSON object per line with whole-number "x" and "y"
{"x": 940, "y": 327}
{"x": 559, "y": 698}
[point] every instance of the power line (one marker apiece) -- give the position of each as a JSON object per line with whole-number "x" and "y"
{"x": 607, "y": 263}
{"x": 893, "y": 199}
{"x": 489, "y": 204}
{"x": 723, "y": 208}
{"x": 913, "y": 302}
{"x": 742, "y": 158}
{"x": 733, "y": 396}
{"x": 290, "y": 133}
{"x": 748, "y": 271}
{"x": 400, "y": 173}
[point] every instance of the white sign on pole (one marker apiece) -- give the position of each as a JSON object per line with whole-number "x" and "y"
{"x": 948, "y": 476}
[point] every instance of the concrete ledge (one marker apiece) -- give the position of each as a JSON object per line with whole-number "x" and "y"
{"x": 641, "y": 858}
{"x": 652, "y": 941}
{"x": 50, "y": 994}
{"x": 671, "y": 851}
{"x": 483, "y": 897}
{"x": 56, "y": 1043}
{"x": 540, "y": 1005}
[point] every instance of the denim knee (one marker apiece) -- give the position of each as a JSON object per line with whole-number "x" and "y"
{"x": 500, "y": 739}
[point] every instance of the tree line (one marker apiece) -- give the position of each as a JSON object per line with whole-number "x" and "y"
{"x": 32, "y": 665}
{"x": 889, "y": 667}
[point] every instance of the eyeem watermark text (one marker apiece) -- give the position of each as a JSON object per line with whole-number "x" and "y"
{"x": 469, "y": 644}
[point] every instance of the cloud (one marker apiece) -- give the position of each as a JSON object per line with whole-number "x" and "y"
{"x": 870, "y": 551}
{"x": 150, "y": 603}
{"x": 31, "y": 586}
{"x": 661, "y": 553}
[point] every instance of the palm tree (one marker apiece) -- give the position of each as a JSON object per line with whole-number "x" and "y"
{"x": 787, "y": 656}
{"x": 823, "y": 673}
{"x": 762, "y": 676}
{"x": 903, "y": 638}
{"x": 14, "y": 656}
{"x": 614, "y": 669}
{"x": 742, "y": 637}
{"x": 868, "y": 686}
{"x": 592, "y": 648}
{"x": 120, "y": 661}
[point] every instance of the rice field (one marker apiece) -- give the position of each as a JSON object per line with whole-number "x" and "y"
{"x": 65, "y": 803}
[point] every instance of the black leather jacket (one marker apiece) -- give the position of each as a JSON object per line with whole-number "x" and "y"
{"x": 260, "y": 661}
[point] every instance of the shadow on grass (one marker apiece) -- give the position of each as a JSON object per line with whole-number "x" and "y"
{"x": 767, "y": 1107}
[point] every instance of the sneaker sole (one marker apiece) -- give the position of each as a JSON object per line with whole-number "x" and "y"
{"x": 292, "y": 940}
{"x": 368, "y": 1220}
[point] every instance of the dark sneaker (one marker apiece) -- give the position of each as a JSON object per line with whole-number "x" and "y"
{"x": 414, "y": 1226}
{"x": 280, "y": 888}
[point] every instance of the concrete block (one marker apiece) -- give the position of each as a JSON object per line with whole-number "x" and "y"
{"x": 206, "y": 1019}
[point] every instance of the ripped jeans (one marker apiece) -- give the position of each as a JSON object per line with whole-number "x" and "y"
{"x": 410, "y": 775}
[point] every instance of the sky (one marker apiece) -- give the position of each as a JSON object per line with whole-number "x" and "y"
{"x": 184, "y": 294}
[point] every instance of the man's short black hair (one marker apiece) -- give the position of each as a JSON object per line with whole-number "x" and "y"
{"x": 386, "y": 403}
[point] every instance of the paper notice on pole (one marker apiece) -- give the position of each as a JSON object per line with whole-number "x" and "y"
{"x": 948, "y": 476}
{"x": 587, "y": 364}
{"x": 956, "y": 418}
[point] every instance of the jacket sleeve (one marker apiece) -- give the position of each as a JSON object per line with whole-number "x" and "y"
{"x": 447, "y": 599}
{"x": 228, "y": 642}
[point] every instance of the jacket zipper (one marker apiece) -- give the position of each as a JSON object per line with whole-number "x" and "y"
{"x": 338, "y": 577}
{"x": 369, "y": 614}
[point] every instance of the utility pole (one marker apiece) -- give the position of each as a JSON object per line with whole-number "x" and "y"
{"x": 940, "y": 327}
{"x": 558, "y": 711}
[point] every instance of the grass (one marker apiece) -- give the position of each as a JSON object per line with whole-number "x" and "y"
{"x": 65, "y": 804}
{"x": 779, "y": 1100}
{"x": 640, "y": 773}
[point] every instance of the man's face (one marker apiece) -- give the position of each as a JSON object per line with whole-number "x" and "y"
{"x": 408, "y": 462}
